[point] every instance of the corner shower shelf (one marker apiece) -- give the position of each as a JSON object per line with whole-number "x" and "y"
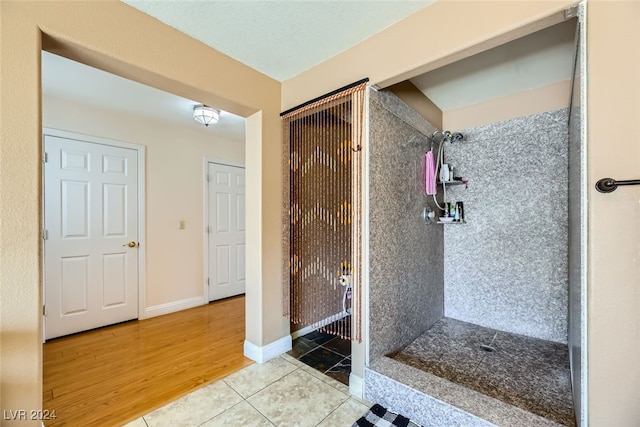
{"x": 455, "y": 182}
{"x": 464, "y": 182}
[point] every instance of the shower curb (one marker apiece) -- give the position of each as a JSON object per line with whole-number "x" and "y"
{"x": 431, "y": 400}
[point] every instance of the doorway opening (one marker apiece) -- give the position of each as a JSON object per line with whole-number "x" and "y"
{"x": 103, "y": 107}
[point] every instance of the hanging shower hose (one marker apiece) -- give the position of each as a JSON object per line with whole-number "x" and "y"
{"x": 439, "y": 162}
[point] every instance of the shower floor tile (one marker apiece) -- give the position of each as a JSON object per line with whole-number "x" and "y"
{"x": 529, "y": 373}
{"x": 449, "y": 349}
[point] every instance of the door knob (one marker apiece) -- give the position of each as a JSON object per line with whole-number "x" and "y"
{"x": 131, "y": 244}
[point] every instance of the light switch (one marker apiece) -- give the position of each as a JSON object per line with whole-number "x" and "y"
{"x": 181, "y": 226}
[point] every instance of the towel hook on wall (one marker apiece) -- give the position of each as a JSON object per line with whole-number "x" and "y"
{"x": 608, "y": 185}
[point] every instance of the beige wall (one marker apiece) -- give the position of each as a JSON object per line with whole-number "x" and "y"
{"x": 613, "y": 126}
{"x": 174, "y": 191}
{"x": 534, "y": 101}
{"x": 412, "y": 96}
{"x": 396, "y": 54}
{"x": 114, "y": 37}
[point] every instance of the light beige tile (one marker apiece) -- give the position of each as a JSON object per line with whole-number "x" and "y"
{"x": 365, "y": 402}
{"x": 242, "y": 414}
{"x": 255, "y": 377}
{"x": 196, "y": 407}
{"x": 289, "y": 358}
{"x": 299, "y": 399}
{"x": 136, "y": 423}
{"x": 345, "y": 415}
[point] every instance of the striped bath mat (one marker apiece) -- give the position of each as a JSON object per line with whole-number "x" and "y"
{"x": 381, "y": 417}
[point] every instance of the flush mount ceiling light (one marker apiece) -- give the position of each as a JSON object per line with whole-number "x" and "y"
{"x": 205, "y": 115}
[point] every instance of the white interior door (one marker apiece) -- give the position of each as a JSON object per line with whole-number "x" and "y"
{"x": 226, "y": 230}
{"x": 91, "y": 235}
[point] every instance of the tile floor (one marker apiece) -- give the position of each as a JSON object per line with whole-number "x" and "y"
{"x": 281, "y": 392}
{"x": 326, "y": 353}
{"x": 529, "y": 373}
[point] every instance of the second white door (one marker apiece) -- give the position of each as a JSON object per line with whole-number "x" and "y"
{"x": 226, "y": 230}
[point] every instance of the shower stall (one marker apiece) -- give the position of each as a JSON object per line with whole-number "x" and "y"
{"x": 463, "y": 247}
{"x": 477, "y": 321}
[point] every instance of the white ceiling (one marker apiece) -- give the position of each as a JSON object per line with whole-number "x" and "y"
{"x": 283, "y": 38}
{"x": 280, "y": 38}
{"x": 70, "y": 80}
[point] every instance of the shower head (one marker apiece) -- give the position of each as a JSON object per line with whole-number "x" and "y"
{"x": 456, "y": 136}
{"x": 448, "y": 136}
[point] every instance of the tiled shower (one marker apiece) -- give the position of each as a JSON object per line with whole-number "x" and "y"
{"x": 476, "y": 313}
{"x": 506, "y": 268}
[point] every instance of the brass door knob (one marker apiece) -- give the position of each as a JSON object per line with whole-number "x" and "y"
{"x": 131, "y": 244}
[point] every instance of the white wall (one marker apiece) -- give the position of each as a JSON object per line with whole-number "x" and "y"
{"x": 174, "y": 192}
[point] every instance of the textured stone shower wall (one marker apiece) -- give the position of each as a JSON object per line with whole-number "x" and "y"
{"x": 406, "y": 255}
{"x": 506, "y": 268}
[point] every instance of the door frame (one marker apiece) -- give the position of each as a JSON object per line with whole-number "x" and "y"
{"x": 205, "y": 217}
{"x": 141, "y": 208}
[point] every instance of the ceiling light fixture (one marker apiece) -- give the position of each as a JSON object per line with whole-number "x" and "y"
{"x": 205, "y": 115}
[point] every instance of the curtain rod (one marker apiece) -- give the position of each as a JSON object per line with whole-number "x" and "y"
{"x": 326, "y": 95}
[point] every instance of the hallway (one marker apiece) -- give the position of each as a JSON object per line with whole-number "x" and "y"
{"x": 112, "y": 375}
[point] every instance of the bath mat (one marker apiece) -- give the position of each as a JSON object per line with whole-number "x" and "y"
{"x": 381, "y": 417}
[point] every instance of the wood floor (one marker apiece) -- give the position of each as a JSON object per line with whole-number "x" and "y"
{"x": 112, "y": 375}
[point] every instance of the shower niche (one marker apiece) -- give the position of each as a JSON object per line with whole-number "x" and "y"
{"x": 470, "y": 325}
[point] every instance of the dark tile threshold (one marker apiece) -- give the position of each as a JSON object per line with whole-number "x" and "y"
{"x": 326, "y": 353}
{"x": 529, "y": 373}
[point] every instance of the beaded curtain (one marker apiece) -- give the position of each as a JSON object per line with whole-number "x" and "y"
{"x": 323, "y": 143}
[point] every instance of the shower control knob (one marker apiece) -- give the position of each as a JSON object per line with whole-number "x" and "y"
{"x": 428, "y": 214}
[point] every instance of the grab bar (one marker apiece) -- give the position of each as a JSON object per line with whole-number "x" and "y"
{"x": 607, "y": 185}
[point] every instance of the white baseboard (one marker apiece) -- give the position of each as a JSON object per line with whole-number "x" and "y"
{"x": 302, "y": 332}
{"x": 172, "y": 307}
{"x": 269, "y": 351}
{"x": 356, "y": 385}
{"x": 317, "y": 325}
